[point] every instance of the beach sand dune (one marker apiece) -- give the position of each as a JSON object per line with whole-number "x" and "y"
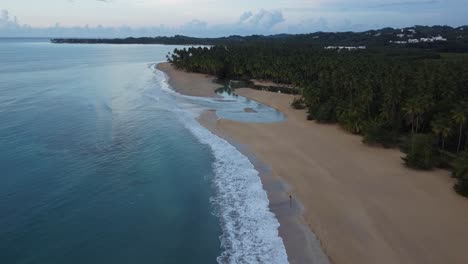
{"x": 364, "y": 205}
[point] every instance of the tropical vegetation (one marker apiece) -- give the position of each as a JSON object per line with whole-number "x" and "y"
{"x": 390, "y": 96}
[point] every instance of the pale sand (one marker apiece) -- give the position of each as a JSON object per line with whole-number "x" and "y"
{"x": 362, "y": 203}
{"x": 193, "y": 84}
{"x": 302, "y": 246}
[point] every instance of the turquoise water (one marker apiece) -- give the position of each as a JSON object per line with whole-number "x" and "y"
{"x": 100, "y": 162}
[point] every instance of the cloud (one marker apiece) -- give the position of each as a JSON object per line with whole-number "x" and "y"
{"x": 4, "y": 15}
{"x": 265, "y": 22}
{"x": 261, "y": 20}
{"x": 248, "y": 23}
{"x": 6, "y": 21}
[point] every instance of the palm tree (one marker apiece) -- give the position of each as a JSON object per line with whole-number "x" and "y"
{"x": 436, "y": 128}
{"x": 461, "y": 173}
{"x": 466, "y": 140}
{"x": 413, "y": 109}
{"x": 367, "y": 97}
{"x": 459, "y": 116}
{"x": 461, "y": 166}
{"x": 441, "y": 127}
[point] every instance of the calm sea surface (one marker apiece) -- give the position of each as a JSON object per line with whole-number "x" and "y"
{"x": 100, "y": 162}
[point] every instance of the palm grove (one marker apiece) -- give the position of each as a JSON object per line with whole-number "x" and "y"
{"x": 412, "y": 98}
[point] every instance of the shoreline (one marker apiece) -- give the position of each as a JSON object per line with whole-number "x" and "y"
{"x": 360, "y": 201}
{"x": 204, "y": 85}
{"x": 302, "y": 245}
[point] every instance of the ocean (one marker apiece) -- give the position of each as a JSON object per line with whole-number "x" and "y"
{"x": 101, "y": 162}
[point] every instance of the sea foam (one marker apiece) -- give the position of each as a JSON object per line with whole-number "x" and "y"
{"x": 249, "y": 228}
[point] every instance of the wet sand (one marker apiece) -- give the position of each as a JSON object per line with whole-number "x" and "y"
{"x": 361, "y": 202}
{"x": 302, "y": 246}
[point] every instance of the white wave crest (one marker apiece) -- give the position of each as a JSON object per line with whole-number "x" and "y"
{"x": 249, "y": 228}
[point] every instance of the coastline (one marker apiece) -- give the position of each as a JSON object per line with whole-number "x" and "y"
{"x": 302, "y": 245}
{"x": 360, "y": 201}
{"x": 192, "y": 84}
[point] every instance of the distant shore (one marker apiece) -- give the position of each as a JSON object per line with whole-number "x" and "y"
{"x": 361, "y": 202}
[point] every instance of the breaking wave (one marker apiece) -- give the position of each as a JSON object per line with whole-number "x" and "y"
{"x": 249, "y": 228}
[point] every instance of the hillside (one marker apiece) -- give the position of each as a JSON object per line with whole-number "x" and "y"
{"x": 437, "y": 38}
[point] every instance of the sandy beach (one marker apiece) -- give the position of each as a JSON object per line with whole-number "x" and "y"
{"x": 360, "y": 201}
{"x": 193, "y": 84}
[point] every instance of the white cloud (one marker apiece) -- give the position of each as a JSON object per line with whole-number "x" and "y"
{"x": 263, "y": 19}
{"x": 5, "y": 16}
{"x": 6, "y": 21}
{"x": 261, "y": 22}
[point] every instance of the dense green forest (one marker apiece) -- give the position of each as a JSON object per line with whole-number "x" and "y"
{"x": 420, "y": 37}
{"x": 416, "y": 99}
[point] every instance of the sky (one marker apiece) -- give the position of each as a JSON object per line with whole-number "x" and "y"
{"x": 212, "y": 18}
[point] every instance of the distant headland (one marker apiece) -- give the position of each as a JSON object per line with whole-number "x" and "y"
{"x": 439, "y": 38}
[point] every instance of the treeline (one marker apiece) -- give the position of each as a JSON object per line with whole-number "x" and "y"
{"x": 409, "y": 98}
{"x": 455, "y": 39}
